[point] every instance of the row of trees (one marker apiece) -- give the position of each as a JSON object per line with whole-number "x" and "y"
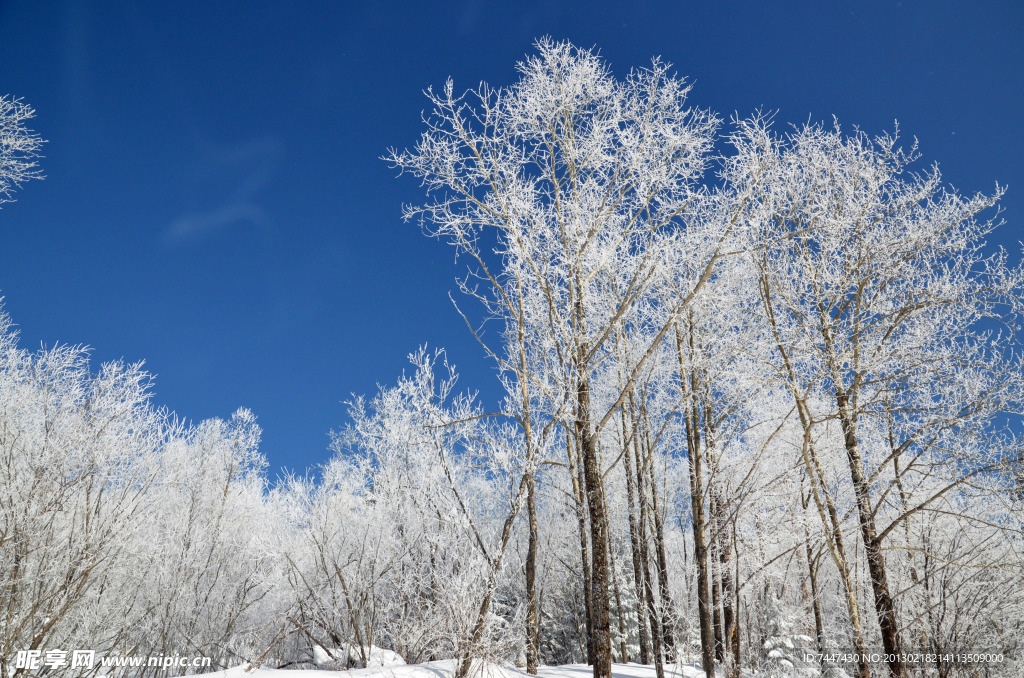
{"x": 761, "y": 398}
{"x": 122, "y": 530}
{"x": 128, "y": 533}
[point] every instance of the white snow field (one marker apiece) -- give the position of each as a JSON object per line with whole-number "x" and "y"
{"x": 446, "y": 669}
{"x": 376, "y": 657}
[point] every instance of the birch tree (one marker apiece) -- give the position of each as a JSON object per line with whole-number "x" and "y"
{"x": 577, "y": 175}
{"x": 880, "y": 296}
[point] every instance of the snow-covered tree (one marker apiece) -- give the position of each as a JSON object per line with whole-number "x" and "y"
{"x": 123, "y": 530}
{"x": 19, "y": 146}
{"x": 581, "y": 176}
{"x": 880, "y": 299}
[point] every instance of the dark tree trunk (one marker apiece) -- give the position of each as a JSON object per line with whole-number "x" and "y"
{"x": 700, "y": 550}
{"x": 576, "y": 472}
{"x": 812, "y": 568}
{"x": 822, "y": 498}
{"x": 842, "y": 563}
{"x": 468, "y": 649}
{"x": 700, "y": 546}
{"x": 884, "y": 607}
{"x": 716, "y": 583}
{"x": 599, "y": 576}
{"x": 533, "y": 607}
{"x": 735, "y": 637}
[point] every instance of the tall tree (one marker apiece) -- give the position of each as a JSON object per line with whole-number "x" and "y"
{"x": 581, "y": 176}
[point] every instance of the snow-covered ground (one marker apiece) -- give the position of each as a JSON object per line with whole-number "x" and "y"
{"x": 621, "y": 671}
{"x": 446, "y": 669}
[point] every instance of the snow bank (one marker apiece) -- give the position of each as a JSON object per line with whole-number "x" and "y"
{"x": 349, "y": 655}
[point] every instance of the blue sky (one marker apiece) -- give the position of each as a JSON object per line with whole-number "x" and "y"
{"x": 214, "y": 202}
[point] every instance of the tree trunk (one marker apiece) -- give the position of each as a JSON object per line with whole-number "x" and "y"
{"x": 701, "y": 556}
{"x": 724, "y": 579}
{"x": 735, "y": 637}
{"x": 837, "y": 548}
{"x": 725, "y": 562}
{"x": 700, "y": 546}
{"x": 812, "y": 569}
{"x": 467, "y": 651}
{"x": 819, "y": 489}
{"x": 619, "y": 617}
{"x": 700, "y": 549}
{"x": 667, "y": 627}
{"x": 634, "y": 540}
{"x": 884, "y": 607}
{"x": 533, "y": 609}
{"x": 652, "y": 607}
{"x": 576, "y": 472}
{"x": 716, "y": 583}
{"x": 599, "y": 581}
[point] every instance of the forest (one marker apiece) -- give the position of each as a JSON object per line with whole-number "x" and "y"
{"x": 763, "y": 396}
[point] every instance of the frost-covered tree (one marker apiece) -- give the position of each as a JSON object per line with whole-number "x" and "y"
{"x": 19, "y": 146}
{"x": 580, "y": 176}
{"x": 881, "y": 301}
{"x": 406, "y": 537}
{"x": 210, "y": 577}
{"x": 122, "y": 530}
{"x": 77, "y": 462}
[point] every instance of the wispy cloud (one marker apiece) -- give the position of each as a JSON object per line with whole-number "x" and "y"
{"x": 239, "y": 172}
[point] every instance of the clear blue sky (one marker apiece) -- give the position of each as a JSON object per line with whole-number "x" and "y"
{"x": 215, "y": 205}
